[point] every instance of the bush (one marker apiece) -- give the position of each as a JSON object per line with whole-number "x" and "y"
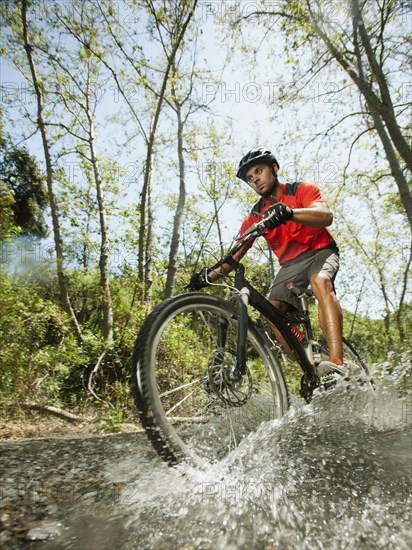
{"x": 38, "y": 352}
{"x": 40, "y": 358}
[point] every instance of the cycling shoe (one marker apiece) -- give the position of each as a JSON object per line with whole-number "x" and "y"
{"x": 329, "y": 373}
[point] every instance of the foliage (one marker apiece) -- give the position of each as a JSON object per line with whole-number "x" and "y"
{"x": 40, "y": 358}
{"x": 23, "y": 195}
{"x": 108, "y": 93}
{"x": 7, "y": 226}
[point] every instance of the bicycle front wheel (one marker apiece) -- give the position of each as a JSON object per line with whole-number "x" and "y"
{"x": 189, "y": 405}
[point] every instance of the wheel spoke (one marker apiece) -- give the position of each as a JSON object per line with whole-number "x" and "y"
{"x": 179, "y": 388}
{"x": 187, "y": 347}
{"x": 179, "y": 403}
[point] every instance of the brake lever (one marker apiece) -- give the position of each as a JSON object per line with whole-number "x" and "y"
{"x": 255, "y": 230}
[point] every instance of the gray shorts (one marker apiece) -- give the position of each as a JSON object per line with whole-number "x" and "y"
{"x": 300, "y": 271}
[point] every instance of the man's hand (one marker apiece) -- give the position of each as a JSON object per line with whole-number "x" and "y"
{"x": 276, "y": 215}
{"x": 198, "y": 281}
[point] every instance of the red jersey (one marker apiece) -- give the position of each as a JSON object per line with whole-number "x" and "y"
{"x": 292, "y": 239}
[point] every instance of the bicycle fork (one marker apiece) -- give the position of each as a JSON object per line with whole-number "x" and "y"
{"x": 239, "y": 368}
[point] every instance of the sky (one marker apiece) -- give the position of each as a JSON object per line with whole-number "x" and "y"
{"x": 243, "y": 92}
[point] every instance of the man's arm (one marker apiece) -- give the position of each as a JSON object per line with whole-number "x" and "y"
{"x": 317, "y": 215}
{"x": 225, "y": 269}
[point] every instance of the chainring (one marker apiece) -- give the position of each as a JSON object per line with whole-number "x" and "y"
{"x": 307, "y": 387}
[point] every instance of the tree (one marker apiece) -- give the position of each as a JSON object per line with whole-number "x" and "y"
{"x": 168, "y": 22}
{"x": 38, "y": 86}
{"x": 385, "y": 260}
{"x": 369, "y": 42}
{"x": 180, "y": 207}
{"x": 184, "y": 104}
{"x": 24, "y": 184}
{"x": 81, "y": 104}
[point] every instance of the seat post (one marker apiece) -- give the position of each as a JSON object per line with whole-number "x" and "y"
{"x": 304, "y": 303}
{"x": 303, "y": 294}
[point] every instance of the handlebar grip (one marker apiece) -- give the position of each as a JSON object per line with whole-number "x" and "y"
{"x": 197, "y": 281}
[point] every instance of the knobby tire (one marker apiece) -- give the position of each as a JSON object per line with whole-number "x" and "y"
{"x": 190, "y": 409}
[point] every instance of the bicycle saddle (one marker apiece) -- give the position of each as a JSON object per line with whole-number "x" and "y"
{"x": 298, "y": 290}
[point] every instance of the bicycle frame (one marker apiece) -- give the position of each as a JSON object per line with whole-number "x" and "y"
{"x": 249, "y": 295}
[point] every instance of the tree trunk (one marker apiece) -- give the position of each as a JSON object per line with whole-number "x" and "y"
{"x": 396, "y": 170}
{"x": 146, "y": 229}
{"x": 403, "y": 295}
{"x": 178, "y": 219}
{"x": 63, "y": 288}
{"x": 144, "y": 225}
{"x": 104, "y": 261}
{"x": 148, "y": 275}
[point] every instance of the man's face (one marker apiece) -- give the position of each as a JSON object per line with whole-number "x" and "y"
{"x": 261, "y": 179}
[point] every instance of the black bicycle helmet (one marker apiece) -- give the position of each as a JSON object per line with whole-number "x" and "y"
{"x": 255, "y": 156}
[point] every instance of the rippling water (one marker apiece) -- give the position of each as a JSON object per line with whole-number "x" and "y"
{"x": 332, "y": 474}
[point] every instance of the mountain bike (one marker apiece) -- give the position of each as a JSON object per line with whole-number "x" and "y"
{"x": 206, "y": 372}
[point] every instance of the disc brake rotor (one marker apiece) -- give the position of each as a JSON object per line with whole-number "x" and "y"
{"x": 233, "y": 392}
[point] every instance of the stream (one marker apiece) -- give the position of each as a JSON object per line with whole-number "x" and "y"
{"x": 334, "y": 474}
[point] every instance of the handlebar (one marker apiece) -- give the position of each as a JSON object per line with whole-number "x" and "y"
{"x": 270, "y": 220}
{"x": 200, "y": 280}
{"x": 255, "y": 230}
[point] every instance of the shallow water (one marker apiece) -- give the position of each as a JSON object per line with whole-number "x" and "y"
{"x": 333, "y": 474}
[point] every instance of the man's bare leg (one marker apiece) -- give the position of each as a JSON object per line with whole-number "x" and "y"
{"x": 330, "y": 314}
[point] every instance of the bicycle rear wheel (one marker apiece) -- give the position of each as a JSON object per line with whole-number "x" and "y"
{"x": 188, "y": 404}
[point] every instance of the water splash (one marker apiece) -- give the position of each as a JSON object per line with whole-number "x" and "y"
{"x": 332, "y": 474}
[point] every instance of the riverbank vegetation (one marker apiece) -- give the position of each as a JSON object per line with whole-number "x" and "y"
{"x": 120, "y": 131}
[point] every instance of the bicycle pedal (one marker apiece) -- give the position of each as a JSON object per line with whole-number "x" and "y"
{"x": 328, "y": 381}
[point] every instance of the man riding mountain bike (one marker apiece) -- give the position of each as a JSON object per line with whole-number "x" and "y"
{"x": 198, "y": 400}
{"x": 296, "y": 217}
